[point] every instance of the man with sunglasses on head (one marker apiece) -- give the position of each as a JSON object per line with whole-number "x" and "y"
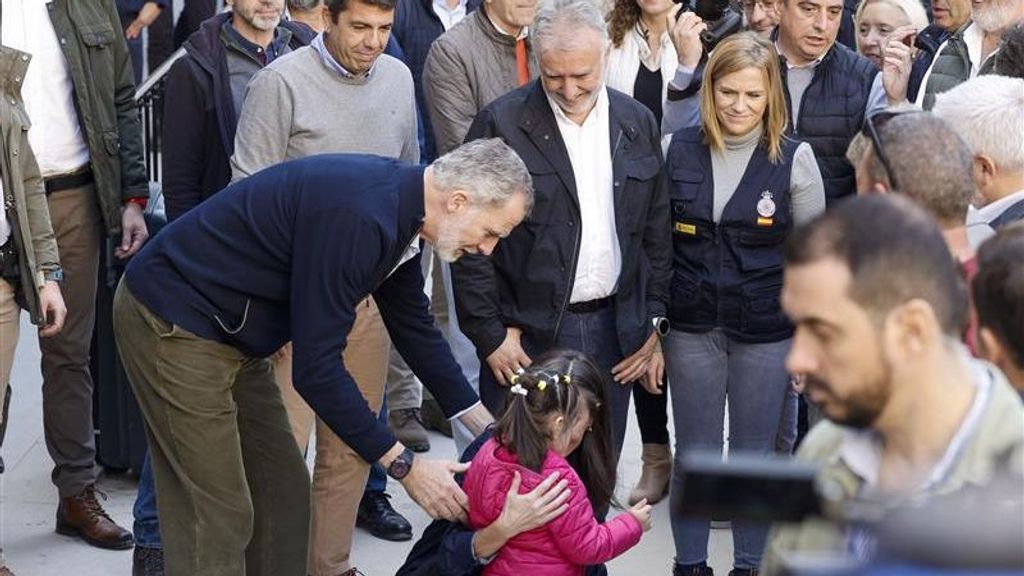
{"x": 830, "y": 88}
{"x": 920, "y": 156}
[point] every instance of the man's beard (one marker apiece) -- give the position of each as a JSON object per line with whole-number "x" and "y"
{"x": 861, "y": 409}
{"x": 995, "y": 15}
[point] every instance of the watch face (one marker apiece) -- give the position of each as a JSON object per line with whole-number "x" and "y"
{"x": 398, "y": 468}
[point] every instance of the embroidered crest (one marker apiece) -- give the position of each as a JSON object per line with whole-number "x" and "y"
{"x": 766, "y": 205}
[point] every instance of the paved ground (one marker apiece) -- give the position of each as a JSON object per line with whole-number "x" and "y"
{"x": 28, "y": 502}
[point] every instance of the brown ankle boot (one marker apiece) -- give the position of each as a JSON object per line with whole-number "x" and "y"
{"x": 653, "y": 483}
{"x": 83, "y": 516}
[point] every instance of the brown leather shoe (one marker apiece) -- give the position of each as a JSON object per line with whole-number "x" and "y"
{"x": 83, "y": 516}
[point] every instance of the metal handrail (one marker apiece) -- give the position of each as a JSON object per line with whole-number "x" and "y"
{"x": 149, "y": 99}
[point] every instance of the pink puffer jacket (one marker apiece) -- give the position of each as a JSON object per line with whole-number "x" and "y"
{"x": 565, "y": 545}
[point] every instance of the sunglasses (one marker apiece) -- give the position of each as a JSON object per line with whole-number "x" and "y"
{"x": 872, "y": 126}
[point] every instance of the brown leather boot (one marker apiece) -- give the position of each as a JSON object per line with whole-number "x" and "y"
{"x": 653, "y": 483}
{"x": 83, "y": 516}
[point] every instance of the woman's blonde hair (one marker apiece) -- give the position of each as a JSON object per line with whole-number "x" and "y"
{"x": 739, "y": 52}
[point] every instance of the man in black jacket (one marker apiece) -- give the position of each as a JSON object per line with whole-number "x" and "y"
{"x": 204, "y": 96}
{"x": 589, "y": 268}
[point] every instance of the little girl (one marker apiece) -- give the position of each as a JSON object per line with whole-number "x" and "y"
{"x": 555, "y": 407}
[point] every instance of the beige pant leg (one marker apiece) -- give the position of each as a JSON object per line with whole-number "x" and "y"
{"x": 339, "y": 476}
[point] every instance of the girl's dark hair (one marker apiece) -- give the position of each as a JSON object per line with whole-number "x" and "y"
{"x": 569, "y": 379}
{"x": 624, "y": 15}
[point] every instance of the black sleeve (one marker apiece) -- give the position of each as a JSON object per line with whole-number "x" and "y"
{"x": 184, "y": 141}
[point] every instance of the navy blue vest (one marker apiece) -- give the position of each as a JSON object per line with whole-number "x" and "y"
{"x": 831, "y": 114}
{"x": 728, "y": 275}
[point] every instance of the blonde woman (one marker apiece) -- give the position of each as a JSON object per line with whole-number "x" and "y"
{"x": 738, "y": 187}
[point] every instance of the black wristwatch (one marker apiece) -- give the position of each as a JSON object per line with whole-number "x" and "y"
{"x": 661, "y": 325}
{"x": 400, "y": 466}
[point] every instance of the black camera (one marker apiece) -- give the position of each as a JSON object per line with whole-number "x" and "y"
{"x": 719, "y": 16}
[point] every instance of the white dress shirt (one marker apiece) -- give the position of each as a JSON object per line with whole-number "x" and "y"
{"x": 56, "y": 137}
{"x": 449, "y": 16}
{"x": 589, "y": 148}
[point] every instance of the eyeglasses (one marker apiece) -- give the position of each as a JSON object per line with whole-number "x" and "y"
{"x": 872, "y": 126}
{"x": 765, "y": 5}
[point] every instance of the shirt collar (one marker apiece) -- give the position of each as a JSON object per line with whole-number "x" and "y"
{"x": 599, "y": 110}
{"x": 812, "y": 64}
{"x": 522, "y": 33}
{"x": 265, "y": 56}
{"x": 861, "y": 450}
{"x": 990, "y": 212}
{"x": 330, "y": 62}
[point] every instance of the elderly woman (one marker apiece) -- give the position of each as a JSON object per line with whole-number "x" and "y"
{"x": 28, "y": 250}
{"x": 738, "y": 188}
{"x": 879, "y": 22}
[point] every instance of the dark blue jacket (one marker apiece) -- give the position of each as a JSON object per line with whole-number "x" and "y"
{"x": 927, "y": 43}
{"x": 416, "y": 27}
{"x": 286, "y": 255}
{"x": 831, "y": 114}
{"x": 529, "y": 280}
{"x": 728, "y": 274}
{"x": 1014, "y": 213}
{"x": 200, "y": 117}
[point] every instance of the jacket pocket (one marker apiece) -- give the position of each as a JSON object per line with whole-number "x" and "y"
{"x": 111, "y": 142}
{"x": 760, "y": 249}
{"x": 643, "y": 168}
{"x": 97, "y": 36}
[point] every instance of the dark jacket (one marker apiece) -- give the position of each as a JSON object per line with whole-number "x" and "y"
{"x": 832, "y": 112}
{"x": 1013, "y": 213}
{"x": 728, "y": 274}
{"x": 104, "y": 90}
{"x": 24, "y": 201}
{"x": 416, "y": 27}
{"x": 927, "y": 43}
{"x": 286, "y": 255}
{"x": 528, "y": 281}
{"x": 200, "y": 117}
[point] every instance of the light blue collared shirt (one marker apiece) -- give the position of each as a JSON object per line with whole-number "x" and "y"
{"x": 321, "y": 49}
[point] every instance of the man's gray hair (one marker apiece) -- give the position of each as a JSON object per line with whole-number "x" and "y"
{"x": 559, "y": 20}
{"x": 988, "y": 113}
{"x": 489, "y": 170}
{"x": 304, "y": 5}
{"x": 931, "y": 164}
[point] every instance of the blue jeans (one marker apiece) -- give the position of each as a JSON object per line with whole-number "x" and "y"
{"x": 704, "y": 369}
{"x": 147, "y": 523}
{"x": 593, "y": 334}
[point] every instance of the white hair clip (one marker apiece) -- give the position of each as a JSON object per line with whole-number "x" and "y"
{"x": 518, "y": 389}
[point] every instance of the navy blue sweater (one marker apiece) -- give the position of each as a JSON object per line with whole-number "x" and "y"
{"x": 286, "y": 255}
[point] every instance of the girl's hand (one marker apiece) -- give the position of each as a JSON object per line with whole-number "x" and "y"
{"x": 642, "y": 512}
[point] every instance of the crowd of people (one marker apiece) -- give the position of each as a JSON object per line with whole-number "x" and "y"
{"x": 511, "y": 221}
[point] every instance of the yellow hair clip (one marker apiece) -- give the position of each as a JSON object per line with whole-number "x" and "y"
{"x": 542, "y": 385}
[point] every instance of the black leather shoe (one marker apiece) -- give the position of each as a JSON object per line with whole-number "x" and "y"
{"x": 378, "y": 517}
{"x": 147, "y": 562}
{"x": 701, "y": 569}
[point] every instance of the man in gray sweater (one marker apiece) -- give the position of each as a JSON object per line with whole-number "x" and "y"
{"x": 339, "y": 94}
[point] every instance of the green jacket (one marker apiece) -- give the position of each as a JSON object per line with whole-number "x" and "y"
{"x": 995, "y": 448}
{"x": 23, "y": 198}
{"x": 94, "y": 47}
{"x": 952, "y": 67}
